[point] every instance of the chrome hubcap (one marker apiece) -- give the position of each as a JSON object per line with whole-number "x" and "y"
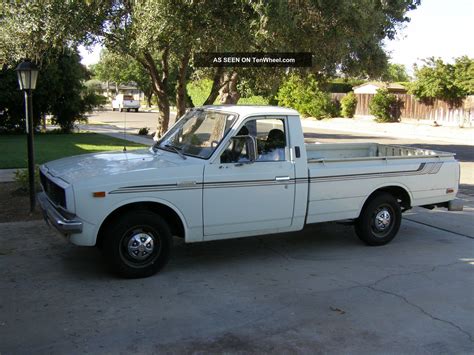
{"x": 140, "y": 246}
{"x": 382, "y": 219}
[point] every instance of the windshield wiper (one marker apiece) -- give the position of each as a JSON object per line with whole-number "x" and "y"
{"x": 176, "y": 150}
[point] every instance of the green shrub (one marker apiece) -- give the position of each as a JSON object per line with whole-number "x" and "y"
{"x": 143, "y": 131}
{"x": 384, "y": 106}
{"x": 22, "y": 179}
{"x": 348, "y": 105}
{"x": 253, "y": 100}
{"x": 199, "y": 90}
{"x": 305, "y": 96}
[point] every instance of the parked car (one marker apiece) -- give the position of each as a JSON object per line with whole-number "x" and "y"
{"x": 234, "y": 171}
{"x": 125, "y": 102}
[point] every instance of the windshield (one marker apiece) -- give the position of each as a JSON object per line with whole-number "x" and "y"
{"x": 197, "y": 133}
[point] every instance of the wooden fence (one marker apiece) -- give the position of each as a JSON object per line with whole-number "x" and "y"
{"x": 410, "y": 107}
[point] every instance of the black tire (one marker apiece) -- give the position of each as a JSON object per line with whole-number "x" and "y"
{"x": 136, "y": 110}
{"x": 128, "y": 110}
{"x": 379, "y": 220}
{"x": 137, "y": 244}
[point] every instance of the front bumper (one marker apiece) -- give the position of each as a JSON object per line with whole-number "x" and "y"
{"x": 53, "y": 216}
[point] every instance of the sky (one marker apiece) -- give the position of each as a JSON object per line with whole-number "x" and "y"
{"x": 440, "y": 28}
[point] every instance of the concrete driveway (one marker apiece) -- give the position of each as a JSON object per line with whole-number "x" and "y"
{"x": 317, "y": 291}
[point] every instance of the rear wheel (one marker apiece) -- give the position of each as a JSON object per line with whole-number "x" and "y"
{"x": 379, "y": 221}
{"x": 136, "y": 110}
{"x": 138, "y": 244}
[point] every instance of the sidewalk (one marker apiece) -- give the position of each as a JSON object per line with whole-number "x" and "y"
{"x": 406, "y": 129}
{"x": 7, "y": 175}
{"x": 112, "y": 131}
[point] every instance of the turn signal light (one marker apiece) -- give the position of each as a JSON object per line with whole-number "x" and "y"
{"x": 449, "y": 191}
{"x": 98, "y": 194}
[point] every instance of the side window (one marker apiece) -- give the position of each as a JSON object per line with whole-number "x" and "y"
{"x": 270, "y": 135}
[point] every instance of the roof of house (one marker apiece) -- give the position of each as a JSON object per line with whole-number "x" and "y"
{"x": 380, "y": 84}
{"x": 130, "y": 86}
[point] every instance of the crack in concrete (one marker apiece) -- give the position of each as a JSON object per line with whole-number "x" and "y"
{"x": 439, "y": 228}
{"x": 373, "y": 287}
{"x": 422, "y": 310}
{"x": 415, "y": 272}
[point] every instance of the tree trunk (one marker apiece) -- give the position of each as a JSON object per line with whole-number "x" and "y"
{"x": 149, "y": 96}
{"x": 163, "y": 115}
{"x": 160, "y": 88}
{"x": 181, "y": 92}
{"x": 189, "y": 100}
{"x": 229, "y": 94}
{"x": 216, "y": 85}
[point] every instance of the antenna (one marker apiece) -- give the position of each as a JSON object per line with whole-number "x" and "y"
{"x": 124, "y": 131}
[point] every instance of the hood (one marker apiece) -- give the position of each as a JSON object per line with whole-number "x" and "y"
{"x": 78, "y": 168}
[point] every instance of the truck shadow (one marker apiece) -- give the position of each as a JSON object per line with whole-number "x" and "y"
{"x": 325, "y": 242}
{"x": 316, "y": 242}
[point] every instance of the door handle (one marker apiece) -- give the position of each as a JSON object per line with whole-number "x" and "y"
{"x": 282, "y": 178}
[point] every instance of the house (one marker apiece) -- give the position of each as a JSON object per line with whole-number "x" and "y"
{"x": 372, "y": 87}
{"x": 110, "y": 90}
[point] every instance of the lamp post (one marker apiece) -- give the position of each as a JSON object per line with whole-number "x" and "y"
{"x": 27, "y": 75}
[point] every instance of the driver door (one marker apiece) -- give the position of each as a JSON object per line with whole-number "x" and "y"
{"x": 244, "y": 198}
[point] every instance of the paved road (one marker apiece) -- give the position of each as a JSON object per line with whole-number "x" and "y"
{"x": 131, "y": 122}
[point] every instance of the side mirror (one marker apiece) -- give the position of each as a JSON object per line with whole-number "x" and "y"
{"x": 250, "y": 146}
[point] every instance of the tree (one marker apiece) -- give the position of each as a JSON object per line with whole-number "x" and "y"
{"x": 163, "y": 36}
{"x": 443, "y": 81}
{"x": 123, "y": 69}
{"x": 40, "y": 30}
{"x": 60, "y": 92}
{"x": 395, "y": 73}
{"x": 29, "y": 29}
{"x": 305, "y": 95}
{"x": 464, "y": 74}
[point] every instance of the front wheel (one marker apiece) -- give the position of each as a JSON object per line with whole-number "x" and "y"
{"x": 379, "y": 221}
{"x": 138, "y": 244}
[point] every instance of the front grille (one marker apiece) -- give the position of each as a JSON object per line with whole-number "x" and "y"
{"x": 55, "y": 192}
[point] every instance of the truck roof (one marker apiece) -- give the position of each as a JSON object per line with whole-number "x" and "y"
{"x": 246, "y": 110}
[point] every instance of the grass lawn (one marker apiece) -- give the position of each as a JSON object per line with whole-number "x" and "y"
{"x": 54, "y": 146}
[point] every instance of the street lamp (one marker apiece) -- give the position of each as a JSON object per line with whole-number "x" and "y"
{"x": 27, "y": 75}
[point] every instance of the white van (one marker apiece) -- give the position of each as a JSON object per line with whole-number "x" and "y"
{"x": 125, "y": 102}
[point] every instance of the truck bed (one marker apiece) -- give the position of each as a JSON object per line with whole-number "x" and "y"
{"x": 362, "y": 151}
{"x": 342, "y": 176}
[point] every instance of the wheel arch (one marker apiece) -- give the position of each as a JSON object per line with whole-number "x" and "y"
{"x": 172, "y": 216}
{"x": 400, "y": 192}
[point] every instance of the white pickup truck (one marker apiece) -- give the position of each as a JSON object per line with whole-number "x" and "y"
{"x": 235, "y": 171}
{"x": 125, "y": 102}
